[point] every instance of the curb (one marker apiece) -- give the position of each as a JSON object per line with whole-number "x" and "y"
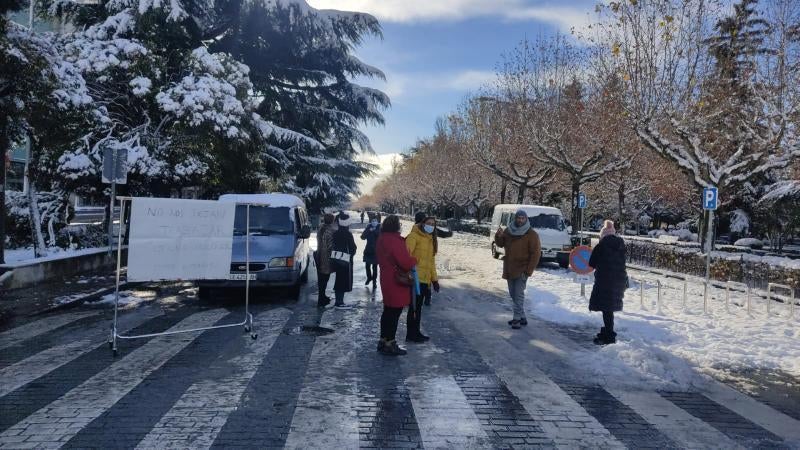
{"x": 88, "y": 298}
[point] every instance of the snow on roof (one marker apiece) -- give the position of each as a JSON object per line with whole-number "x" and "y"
{"x": 530, "y": 209}
{"x": 275, "y": 200}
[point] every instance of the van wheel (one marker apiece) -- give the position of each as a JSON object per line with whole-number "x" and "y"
{"x": 304, "y": 276}
{"x": 495, "y": 255}
{"x": 203, "y": 293}
{"x": 294, "y": 291}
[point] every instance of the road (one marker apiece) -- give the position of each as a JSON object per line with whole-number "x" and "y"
{"x": 313, "y": 379}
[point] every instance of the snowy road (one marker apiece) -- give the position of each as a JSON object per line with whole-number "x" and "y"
{"x": 477, "y": 384}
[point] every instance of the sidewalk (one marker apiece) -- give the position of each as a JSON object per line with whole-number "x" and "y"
{"x": 17, "y": 306}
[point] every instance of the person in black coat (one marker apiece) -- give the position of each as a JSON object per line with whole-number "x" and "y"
{"x": 371, "y": 234}
{"x": 610, "y": 280}
{"x": 344, "y": 248}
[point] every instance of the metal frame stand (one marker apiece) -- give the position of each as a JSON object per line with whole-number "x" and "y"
{"x": 247, "y": 323}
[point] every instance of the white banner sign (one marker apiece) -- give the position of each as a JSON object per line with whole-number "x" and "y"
{"x": 176, "y": 239}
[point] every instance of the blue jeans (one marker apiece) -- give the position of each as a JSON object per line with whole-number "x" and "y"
{"x": 516, "y": 288}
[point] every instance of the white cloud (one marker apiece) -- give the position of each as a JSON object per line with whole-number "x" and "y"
{"x": 453, "y": 10}
{"x": 406, "y": 84}
{"x": 384, "y": 162}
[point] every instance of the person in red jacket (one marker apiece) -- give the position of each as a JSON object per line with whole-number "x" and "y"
{"x": 393, "y": 258}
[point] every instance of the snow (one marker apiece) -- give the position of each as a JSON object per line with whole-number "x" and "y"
{"x": 25, "y": 257}
{"x": 674, "y": 349}
{"x": 740, "y": 221}
{"x": 141, "y": 86}
{"x": 275, "y": 200}
{"x": 749, "y": 242}
{"x": 127, "y": 299}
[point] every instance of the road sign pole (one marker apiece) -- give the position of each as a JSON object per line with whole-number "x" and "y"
{"x": 709, "y": 243}
{"x": 111, "y": 202}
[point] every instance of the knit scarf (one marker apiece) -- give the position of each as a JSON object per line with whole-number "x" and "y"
{"x": 519, "y": 231}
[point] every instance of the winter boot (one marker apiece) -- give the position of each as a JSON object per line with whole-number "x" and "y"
{"x": 515, "y": 324}
{"x": 392, "y": 349}
{"x": 605, "y": 338}
{"x": 601, "y": 333}
{"x": 523, "y": 322}
{"x": 381, "y": 344}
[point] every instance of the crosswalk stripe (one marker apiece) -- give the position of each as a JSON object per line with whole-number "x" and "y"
{"x": 59, "y": 421}
{"x": 29, "y": 369}
{"x": 751, "y": 409}
{"x": 444, "y": 416}
{"x": 326, "y": 405}
{"x": 196, "y": 418}
{"x": 679, "y": 425}
{"x": 30, "y": 330}
{"x": 542, "y": 398}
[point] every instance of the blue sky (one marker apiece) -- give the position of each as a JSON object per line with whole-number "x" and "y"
{"x": 435, "y": 52}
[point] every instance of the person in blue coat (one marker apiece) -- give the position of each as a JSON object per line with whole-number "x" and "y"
{"x": 610, "y": 280}
{"x": 371, "y": 234}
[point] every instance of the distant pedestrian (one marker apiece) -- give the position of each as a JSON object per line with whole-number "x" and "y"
{"x": 344, "y": 248}
{"x": 395, "y": 262}
{"x": 371, "y": 234}
{"x": 610, "y": 280}
{"x": 322, "y": 257}
{"x": 362, "y": 216}
{"x": 422, "y": 244}
{"x": 523, "y": 250}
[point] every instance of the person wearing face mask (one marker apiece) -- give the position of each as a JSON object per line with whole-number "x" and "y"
{"x": 439, "y": 232}
{"x": 523, "y": 250}
{"x": 371, "y": 234}
{"x": 422, "y": 245}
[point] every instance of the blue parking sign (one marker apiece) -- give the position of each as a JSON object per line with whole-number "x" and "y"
{"x": 710, "y": 198}
{"x": 582, "y": 201}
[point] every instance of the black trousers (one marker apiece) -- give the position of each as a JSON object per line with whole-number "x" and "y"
{"x": 389, "y": 320}
{"x": 608, "y": 321}
{"x": 414, "y": 318}
{"x": 372, "y": 271}
{"x": 322, "y": 280}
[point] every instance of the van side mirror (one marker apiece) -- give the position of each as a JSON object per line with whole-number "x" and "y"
{"x": 569, "y": 229}
{"x": 305, "y": 232}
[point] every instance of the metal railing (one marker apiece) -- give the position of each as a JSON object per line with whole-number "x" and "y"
{"x": 729, "y": 287}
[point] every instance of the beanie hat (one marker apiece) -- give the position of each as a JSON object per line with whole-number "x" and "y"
{"x": 521, "y": 212}
{"x": 608, "y": 229}
{"x": 344, "y": 220}
{"x": 420, "y": 216}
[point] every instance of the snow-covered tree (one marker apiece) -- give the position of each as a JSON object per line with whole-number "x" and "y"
{"x": 43, "y": 98}
{"x": 302, "y": 65}
{"x": 706, "y": 97}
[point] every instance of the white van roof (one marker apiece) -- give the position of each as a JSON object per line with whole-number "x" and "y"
{"x": 277, "y": 200}
{"x": 532, "y": 210}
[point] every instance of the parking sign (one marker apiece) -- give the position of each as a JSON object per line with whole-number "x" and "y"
{"x": 582, "y": 201}
{"x": 710, "y": 198}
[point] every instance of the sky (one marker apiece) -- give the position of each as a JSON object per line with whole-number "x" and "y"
{"x": 435, "y": 52}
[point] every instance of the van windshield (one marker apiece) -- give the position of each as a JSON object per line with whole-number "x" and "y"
{"x": 264, "y": 221}
{"x": 551, "y": 221}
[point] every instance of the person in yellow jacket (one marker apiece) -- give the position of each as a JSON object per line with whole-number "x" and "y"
{"x": 422, "y": 245}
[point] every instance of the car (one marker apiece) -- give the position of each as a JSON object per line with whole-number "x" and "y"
{"x": 549, "y": 225}
{"x": 279, "y": 248}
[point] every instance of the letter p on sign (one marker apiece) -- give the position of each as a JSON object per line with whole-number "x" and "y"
{"x": 710, "y": 198}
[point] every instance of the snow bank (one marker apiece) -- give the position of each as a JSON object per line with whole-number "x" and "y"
{"x": 749, "y": 242}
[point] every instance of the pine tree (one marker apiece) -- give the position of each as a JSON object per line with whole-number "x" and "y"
{"x": 301, "y": 64}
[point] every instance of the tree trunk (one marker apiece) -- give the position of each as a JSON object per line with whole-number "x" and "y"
{"x": 39, "y": 248}
{"x": 576, "y": 212}
{"x": 621, "y": 204}
{"x": 521, "y": 194}
{"x": 503, "y": 192}
{"x": 4, "y": 143}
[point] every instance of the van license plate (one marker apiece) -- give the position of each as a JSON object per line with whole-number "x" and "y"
{"x": 241, "y": 277}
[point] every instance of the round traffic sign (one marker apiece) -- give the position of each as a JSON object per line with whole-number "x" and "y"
{"x": 579, "y": 259}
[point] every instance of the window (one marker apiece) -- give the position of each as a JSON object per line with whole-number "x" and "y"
{"x": 15, "y": 176}
{"x": 550, "y": 221}
{"x": 264, "y": 221}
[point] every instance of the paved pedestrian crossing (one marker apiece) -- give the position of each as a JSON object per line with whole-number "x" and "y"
{"x": 475, "y": 385}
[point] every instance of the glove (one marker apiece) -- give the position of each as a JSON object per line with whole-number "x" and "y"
{"x": 435, "y": 286}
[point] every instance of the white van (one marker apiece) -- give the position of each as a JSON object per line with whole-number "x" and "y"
{"x": 548, "y": 224}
